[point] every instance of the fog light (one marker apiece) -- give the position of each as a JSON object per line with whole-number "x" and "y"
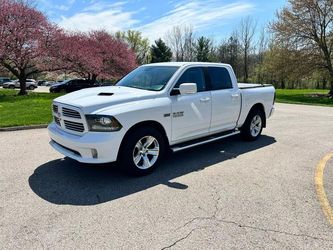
{"x": 94, "y": 153}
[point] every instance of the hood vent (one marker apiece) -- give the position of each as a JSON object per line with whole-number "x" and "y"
{"x": 105, "y": 94}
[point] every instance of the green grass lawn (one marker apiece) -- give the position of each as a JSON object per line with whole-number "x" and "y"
{"x": 36, "y": 107}
{"x": 25, "y": 110}
{"x": 303, "y": 96}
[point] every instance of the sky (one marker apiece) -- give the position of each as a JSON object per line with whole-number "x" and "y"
{"x": 212, "y": 18}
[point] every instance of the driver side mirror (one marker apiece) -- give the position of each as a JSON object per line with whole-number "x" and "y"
{"x": 188, "y": 88}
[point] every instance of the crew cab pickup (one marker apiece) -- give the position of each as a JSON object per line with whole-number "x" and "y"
{"x": 155, "y": 108}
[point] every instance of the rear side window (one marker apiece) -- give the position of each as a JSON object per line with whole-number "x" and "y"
{"x": 193, "y": 75}
{"x": 73, "y": 83}
{"x": 83, "y": 82}
{"x": 219, "y": 78}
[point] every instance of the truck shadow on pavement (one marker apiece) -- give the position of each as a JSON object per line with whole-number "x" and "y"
{"x": 65, "y": 181}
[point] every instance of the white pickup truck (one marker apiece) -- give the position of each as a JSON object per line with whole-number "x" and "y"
{"x": 155, "y": 108}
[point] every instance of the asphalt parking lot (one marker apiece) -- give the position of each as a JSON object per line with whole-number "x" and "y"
{"x": 228, "y": 194}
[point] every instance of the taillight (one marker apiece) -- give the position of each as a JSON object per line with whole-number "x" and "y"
{"x": 274, "y": 98}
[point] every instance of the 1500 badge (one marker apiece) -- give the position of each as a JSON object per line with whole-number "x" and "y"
{"x": 178, "y": 114}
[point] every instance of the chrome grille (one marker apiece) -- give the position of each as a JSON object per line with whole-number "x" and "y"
{"x": 55, "y": 108}
{"x": 75, "y": 126}
{"x": 70, "y": 113}
{"x": 69, "y": 118}
{"x": 57, "y": 120}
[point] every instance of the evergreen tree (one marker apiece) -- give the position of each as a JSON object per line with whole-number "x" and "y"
{"x": 203, "y": 49}
{"x": 160, "y": 52}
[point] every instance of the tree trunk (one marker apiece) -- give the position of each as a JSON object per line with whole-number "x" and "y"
{"x": 246, "y": 74}
{"x": 93, "y": 78}
{"x": 283, "y": 85}
{"x": 23, "y": 86}
{"x": 329, "y": 65}
{"x": 331, "y": 89}
{"x": 331, "y": 84}
{"x": 324, "y": 83}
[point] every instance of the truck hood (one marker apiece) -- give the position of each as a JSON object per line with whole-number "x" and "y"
{"x": 93, "y": 99}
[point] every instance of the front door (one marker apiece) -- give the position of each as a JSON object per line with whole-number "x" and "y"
{"x": 191, "y": 114}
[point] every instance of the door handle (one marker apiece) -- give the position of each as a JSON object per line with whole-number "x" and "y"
{"x": 234, "y": 95}
{"x": 207, "y": 99}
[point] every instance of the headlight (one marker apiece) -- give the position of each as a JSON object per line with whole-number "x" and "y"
{"x": 102, "y": 123}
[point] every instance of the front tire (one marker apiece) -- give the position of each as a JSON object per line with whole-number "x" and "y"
{"x": 31, "y": 87}
{"x": 253, "y": 125}
{"x": 141, "y": 151}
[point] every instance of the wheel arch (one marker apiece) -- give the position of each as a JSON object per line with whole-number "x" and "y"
{"x": 145, "y": 124}
{"x": 260, "y": 107}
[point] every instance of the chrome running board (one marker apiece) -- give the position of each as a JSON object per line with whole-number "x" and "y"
{"x": 198, "y": 142}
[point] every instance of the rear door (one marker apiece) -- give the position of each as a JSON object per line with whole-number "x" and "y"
{"x": 191, "y": 114}
{"x": 226, "y": 100}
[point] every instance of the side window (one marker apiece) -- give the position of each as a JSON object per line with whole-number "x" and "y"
{"x": 72, "y": 83}
{"x": 219, "y": 78}
{"x": 83, "y": 83}
{"x": 193, "y": 75}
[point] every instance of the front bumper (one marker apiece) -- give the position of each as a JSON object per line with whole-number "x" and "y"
{"x": 91, "y": 147}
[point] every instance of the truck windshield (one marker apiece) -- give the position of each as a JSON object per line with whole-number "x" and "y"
{"x": 148, "y": 77}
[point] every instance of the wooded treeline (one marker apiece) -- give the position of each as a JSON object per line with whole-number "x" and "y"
{"x": 292, "y": 51}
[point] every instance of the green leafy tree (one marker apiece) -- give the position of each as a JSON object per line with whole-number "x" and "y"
{"x": 137, "y": 43}
{"x": 160, "y": 52}
{"x": 275, "y": 70}
{"x": 308, "y": 24}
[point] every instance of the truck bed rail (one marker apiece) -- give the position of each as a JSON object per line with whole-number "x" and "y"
{"x": 252, "y": 85}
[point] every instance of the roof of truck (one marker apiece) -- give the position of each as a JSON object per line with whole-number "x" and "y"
{"x": 180, "y": 64}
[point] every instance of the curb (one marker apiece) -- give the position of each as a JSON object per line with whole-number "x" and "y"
{"x": 18, "y": 128}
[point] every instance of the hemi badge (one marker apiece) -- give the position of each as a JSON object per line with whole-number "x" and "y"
{"x": 167, "y": 115}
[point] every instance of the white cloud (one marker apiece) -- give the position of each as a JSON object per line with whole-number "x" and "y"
{"x": 52, "y": 9}
{"x": 198, "y": 14}
{"x": 201, "y": 15}
{"x": 100, "y": 6}
{"x": 111, "y": 17}
{"x": 62, "y": 7}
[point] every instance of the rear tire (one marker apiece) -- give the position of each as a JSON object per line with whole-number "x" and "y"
{"x": 141, "y": 151}
{"x": 11, "y": 87}
{"x": 31, "y": 87}
{"x": 252, "y": 128}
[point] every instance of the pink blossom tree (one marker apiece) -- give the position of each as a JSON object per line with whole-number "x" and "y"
{"x": 96, "y": 54}
{"x": 25, "y": 35}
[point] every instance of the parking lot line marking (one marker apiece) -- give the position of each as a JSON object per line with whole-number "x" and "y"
{"x": 319, "y": 183}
